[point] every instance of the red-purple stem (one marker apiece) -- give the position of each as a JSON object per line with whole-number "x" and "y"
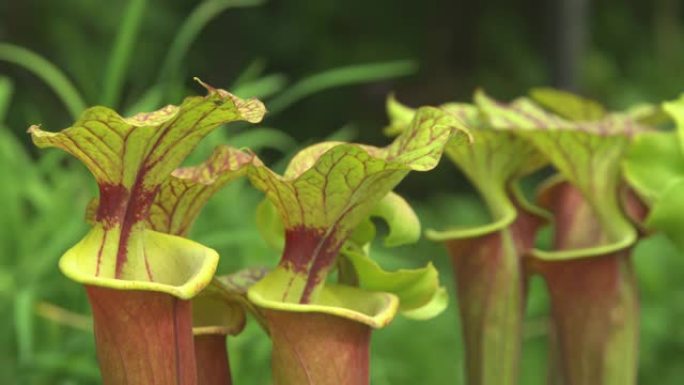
{"x": 491, "y": 290}
{"x": 143, "y": 337}
{"x": 213, "y": 367}
{"x": 318, "y": 349}
{"x": 594, "y": 300}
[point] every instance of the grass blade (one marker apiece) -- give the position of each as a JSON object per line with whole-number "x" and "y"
{"x": 191, "y": 28}
{"x": 47, "y": 72}
{"x": 6, "y": 89}
{"x": 121, "y": 52}
{"x": 361, "y": 73}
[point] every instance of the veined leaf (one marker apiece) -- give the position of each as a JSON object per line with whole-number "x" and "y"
{"x": 493, "y": 162}
{"x": 329, "y": 188}
{"x": 567, "y": 104}
{"x": 132, "y": 159}
{"x": 402, "y": 223}
{"x": 587, "y": 153}
{"x": 182, "y": 196}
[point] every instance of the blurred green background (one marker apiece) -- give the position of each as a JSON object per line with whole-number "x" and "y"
{"x": 324, "y": 69}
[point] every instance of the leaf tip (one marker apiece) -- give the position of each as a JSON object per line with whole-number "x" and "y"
{"x": 251, "y": 110}
{"x": 206, "y": 86}
{"x": 38, "y": 136}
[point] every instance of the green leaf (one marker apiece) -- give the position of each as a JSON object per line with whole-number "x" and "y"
{"x": 666, "y": 213}
{"x": 675, "y": 109}
{"x": 493, "y": 162}
{"x": 586, "y": 153}
{"x": 418, "y": 290}
{"x": 567, "y": 105}
{"x": 402, "y": 221}
{"x": 400, "y": 116}
{"x": 181, "y": 197}
{"x": 132, "y": 159}
{"x": 6, "y": 90}
{"x": 576, "y": 108}
{"x": 653, "y": 162}
{"x": 47, "y": 72}
{"x": 270, "y": 225}
{"x": 121, "y": 51}
{"x": 184, "y": 194}
{"x": 147, "y": 147}
{"x": 655, "y": 168}
{"x": 329, "y": 188}
{"x": 240, "y": 281}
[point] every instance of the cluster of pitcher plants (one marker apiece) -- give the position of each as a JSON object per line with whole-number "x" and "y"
{"x": 162, "y": 316}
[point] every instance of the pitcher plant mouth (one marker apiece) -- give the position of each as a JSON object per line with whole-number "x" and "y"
{"x": 182, "y": 268}
{"x": 374, "y": 309}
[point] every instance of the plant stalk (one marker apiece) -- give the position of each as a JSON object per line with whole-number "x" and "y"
{"x": 213, "y": 367}
{"x": 143, "y": 337}
{"x": 594, "y": 299}
{"x": 318, "y": 348}
{"x": 491, "y": 289}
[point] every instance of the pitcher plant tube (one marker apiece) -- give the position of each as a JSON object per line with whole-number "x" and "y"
{"x": 589, "y": 274}
{"x": 322, "y": 205}
{"x": 487, "y": 259}
{"x": 219, "y": 309}
{"x": 140, "y": 281}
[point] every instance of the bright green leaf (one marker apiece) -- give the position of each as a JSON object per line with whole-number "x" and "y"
{"x": 184, "y": 194}
{"x": 402, "y": 221}
{"x": 567, "y": 104}
{"x": 415, "y": 288}
{"x": 653, "y": 162}
{"x": 666, "y": 214}
{"x": 675, "y": 109}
